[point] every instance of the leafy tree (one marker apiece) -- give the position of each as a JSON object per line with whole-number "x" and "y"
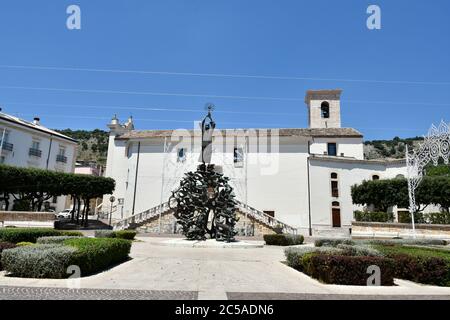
{"x": 383, "y": 194}
{"x": 32, "y": 187}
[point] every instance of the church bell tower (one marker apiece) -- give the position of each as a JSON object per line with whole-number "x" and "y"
{"x": 324, "y": 108}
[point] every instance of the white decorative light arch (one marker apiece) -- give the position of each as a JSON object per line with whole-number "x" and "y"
{"x": 436, "y": 145}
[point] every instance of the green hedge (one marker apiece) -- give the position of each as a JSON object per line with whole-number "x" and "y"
{"x": 438, "y": 217}
{"x": 94, "y": 255}
{"x": 405, "y": 217}
{"x": 71, "y": 233}
{"x": 294, "y": 255}
{"x": 16, "y": 235}
{"x": 55, "y": 240}
{"x": 125, "y": 234}
{"x": 423, "y": 265}
{"x": 105, "y": 234}
{"x": 121, "y": 234}
{"x": 38, "y": 261}
{"x": 52, "y": 260}
{"x": 4, "y": 246}
{"x": 396, "y": 242}
{"x": 374, "y": 216}
{"x": 347, "y": 270}
{"x": 332, "y": 242}
{"x": 283, "y": 239}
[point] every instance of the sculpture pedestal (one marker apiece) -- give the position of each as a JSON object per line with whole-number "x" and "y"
{"x": 210, "y": 243}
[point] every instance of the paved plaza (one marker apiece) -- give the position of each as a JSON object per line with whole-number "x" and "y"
{"x": 164, "y": 272}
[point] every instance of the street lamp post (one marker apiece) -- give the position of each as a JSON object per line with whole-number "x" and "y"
{"x": 111, "y": 199}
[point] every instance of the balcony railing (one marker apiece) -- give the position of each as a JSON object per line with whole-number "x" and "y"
{"x": 7, "y": 146}
{"x": 61, "y": 158}
{"x": 35, "y": 152}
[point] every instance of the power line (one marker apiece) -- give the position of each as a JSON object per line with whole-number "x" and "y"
{"x": 143, "y": 108}
{"x": 210, "y": 96}
{"x": 221, "y": 75}
{"x": 151, "y": 93}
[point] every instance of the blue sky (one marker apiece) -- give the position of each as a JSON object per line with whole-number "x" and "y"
{"x": 405, "y": 65}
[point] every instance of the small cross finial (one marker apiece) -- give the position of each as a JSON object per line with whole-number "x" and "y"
{"x": 210, "y": 107}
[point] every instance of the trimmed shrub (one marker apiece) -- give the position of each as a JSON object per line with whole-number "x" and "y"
{"x": 24, "y": 244}
{"x": 332, "y": 242}
{"x": 4, "y": 246}
{"x": 283, "y": 239}
{"x": 295, "y": 255}
{"x": 97, "y": 254}
{"x": 374, "y": 216}
{"x": 423, "y": 265}
{"x": 105, "y": 234}
{"x": 359, "y": 250}
{"x": 72, "y": 233}
{"x": 125, "y": 234}
{"x": 347, "y": 270}
{"x": 51, "y": 260}
{"x": 16, "y": 235}
{"x": 438, "y": 217}
{"x": 393, "y": 242}
{"x": 405, "y": 217}
{"x": 38, "y": 261}
{"x": 54, "y": 240}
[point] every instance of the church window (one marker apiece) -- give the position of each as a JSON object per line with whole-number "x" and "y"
{"x": 181, "y": 154}
{"x": 332, "y": 149}
{"x": 325, "y": 110}
{"x": 238, "y": 157}
{"x": 334, "y": 185}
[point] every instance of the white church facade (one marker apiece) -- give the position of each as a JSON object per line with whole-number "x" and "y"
{"x": 301, "y": 177}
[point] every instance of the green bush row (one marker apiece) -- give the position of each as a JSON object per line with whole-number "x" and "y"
{"x": 16, "y": 235}
{"x": 55, "y": 240}
{"x": 38, "y": 261}
{"x": 121, "y": 234}
{"x": 52, "y": 260}
{"x": 373, "y": 216}
{"x": 419, "y": 217}
{"x": 332, "y": 242}
{"x": 4, "y": 246}
{"x": 347, "y": 270}
{"x": 94, "y": 255}
{"x": 283, "y": 239}
{"x": 418, "y": 264}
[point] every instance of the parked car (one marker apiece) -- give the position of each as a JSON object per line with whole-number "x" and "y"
{"x": 65, "y": 214}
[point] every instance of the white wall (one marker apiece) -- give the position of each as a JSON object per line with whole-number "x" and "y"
{"x": 350, "y": 147}
{"x": 349, "y": 173}
{"x": 258, "y": 182}
{"x": 273, "y": 182}
{"x": 22, "y": 137}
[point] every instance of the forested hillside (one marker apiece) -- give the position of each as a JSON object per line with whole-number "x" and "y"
{"x": 93, "y": 145}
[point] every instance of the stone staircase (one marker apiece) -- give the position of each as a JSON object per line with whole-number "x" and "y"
{"x": 252, "y": 221}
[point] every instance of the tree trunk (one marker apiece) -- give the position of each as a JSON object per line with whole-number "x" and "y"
{"x": 78, "y": 210}
{"x": 74, "y": 199}
{"x": 86, "y": 206}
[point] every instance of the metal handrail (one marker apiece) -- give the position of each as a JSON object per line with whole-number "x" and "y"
{"x": 7, "y": 146}
{"x": 61, "y": 158}
{"x": 35, "y": 152}
{"x": 164, "y": 207}
{"x": 265, "y": 218}
{"x": 141, "y": 216}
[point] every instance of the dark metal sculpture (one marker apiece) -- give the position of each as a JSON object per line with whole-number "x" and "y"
{"x": 204, "y": 200}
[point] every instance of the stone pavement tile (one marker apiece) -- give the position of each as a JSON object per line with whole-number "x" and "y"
{"x": 311, "y": 296}
{"x": 41, "y": 293}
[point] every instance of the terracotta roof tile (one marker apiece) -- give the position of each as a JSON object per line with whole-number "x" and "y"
{"x": 285, "y": 132}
